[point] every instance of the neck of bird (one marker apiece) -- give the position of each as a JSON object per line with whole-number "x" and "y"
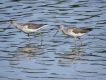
{"x": 64, "y": 31}
{"x": 17, "y": 25}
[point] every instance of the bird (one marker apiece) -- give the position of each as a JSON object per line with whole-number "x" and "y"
{"x": 27, "y": 27}
{"x": 74, "y": 32}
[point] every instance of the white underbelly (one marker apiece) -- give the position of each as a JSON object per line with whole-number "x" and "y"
{"x": 76, "y": 34}
{"x": 29, "y": 30}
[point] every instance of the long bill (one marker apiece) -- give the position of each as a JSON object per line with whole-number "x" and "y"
{"x": 7, "y": 27}
{"x": 55, "y": 33}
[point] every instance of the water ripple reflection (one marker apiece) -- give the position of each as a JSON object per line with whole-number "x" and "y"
{"x": 57, "y": 58}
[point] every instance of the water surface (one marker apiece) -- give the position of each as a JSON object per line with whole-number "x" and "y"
{"x": 57, "y": 59}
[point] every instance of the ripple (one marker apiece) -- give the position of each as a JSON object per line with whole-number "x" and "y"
{"x": 57, "y": 58}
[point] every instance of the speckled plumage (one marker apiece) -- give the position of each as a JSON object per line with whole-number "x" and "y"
{"x": 27, "y": 27}
{"x": 80, "y": 30}
{"x": 33, "y": 26}
{"x": 74, "y": 32}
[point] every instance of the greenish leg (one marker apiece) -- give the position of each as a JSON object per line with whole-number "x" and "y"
{"x": 75, "y": 42}
{"x": 40, "y": 37}
{"x": 28, "y": 38}
{"x": 80, "y": 40}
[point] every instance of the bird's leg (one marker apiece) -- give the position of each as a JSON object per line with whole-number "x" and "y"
{"x": 75, "y": 42}
{"x": 41, "y": 37}
{"x": 28, "y": 38}
{"x": 80, "y": 40}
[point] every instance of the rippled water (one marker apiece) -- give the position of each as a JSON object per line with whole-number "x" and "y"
{"x": 57, "y": 59}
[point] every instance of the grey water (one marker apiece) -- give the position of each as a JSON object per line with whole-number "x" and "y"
{"x": 57, "y": 58}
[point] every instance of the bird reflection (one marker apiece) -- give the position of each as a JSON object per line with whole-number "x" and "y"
{"x": 29, "y": 50}
{"x": 69, "y": 57}
{"x": 32, "y": 50}
{"x": 76, "y": 51}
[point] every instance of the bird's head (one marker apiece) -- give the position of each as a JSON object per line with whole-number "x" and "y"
{"x": 12, "y": 23}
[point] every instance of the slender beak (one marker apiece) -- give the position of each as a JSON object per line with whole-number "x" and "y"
{"x": 9, "y": 25}
{"x": 56, "y": 33}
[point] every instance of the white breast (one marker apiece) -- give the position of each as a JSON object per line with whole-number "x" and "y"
{"x": 26, "y": 30}
{"x": 71, "y": 33}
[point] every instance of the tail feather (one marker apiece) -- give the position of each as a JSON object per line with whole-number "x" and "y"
{"x": 88, "y": 29}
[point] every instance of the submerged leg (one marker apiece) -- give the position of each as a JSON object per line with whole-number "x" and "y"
{"x": 80, "y": 40}
{"x": 28, "y": 38}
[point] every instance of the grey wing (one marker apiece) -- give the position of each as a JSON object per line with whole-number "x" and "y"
{"x": 77, "y": 30}
{"x": 34, "y": 26}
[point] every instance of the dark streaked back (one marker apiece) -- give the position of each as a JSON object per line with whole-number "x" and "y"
{"x": 80, "y": 30}
{"x": 33, "y": 26}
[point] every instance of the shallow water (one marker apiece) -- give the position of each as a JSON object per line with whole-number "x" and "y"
{"x": 57, "y": 59}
